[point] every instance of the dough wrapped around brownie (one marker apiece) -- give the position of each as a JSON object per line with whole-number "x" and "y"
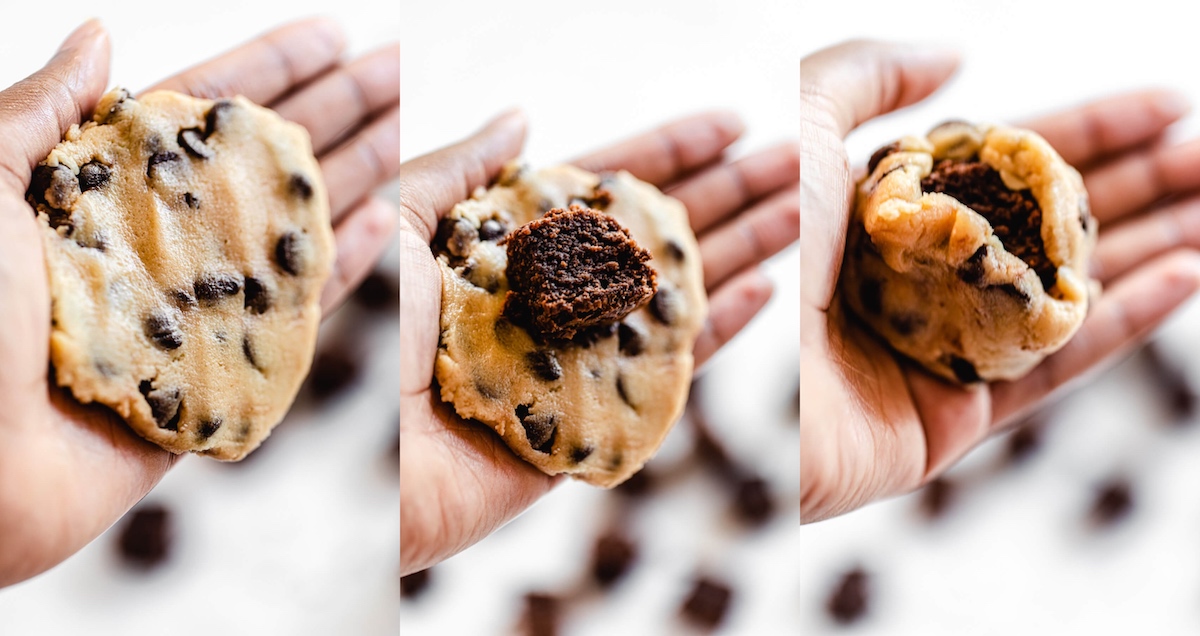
{"x": 570, "y": 305}
{"x": 968, "y": 250}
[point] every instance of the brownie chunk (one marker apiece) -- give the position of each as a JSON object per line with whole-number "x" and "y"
{"x": 574, "y": 269}
{"x": 1015, "y": 215}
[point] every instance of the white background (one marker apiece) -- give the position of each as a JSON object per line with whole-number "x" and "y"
{"x": 588, "y": 74}
{"x": 299, "y": 540}
{"x": 1015, "y": 557}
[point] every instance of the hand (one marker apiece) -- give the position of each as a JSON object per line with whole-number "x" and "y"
{"x": 458, "y": 481}
{"x": 68, "y": 471}
{"x": 874, "y": 425}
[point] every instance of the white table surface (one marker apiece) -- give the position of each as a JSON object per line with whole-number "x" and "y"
{"x": 300, "y": 540}
{"x": 1014, "y": 557}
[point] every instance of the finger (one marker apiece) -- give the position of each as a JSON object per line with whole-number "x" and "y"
{"x": 1099, "y": 129}
{"x": 955, "y": 419}
{"x": 850, "y": 83}
{"x": 751, "y": 237}
{"x": 718, "y": 192}
{"x": 1124, "y": 316}
{"x": 431, "y": 184}
{"x": 38, "y": 110}
{"x": 368, "y": 160}
{"x": 730, "y": 309}
{"x": 1141, "y": 239}
{"x": 670, "y": 151}
{"x": 362, "y": 236}
{"x": 339, "y": 101}
{"x": 1131, "y": 183}
{"x": 267, "y": 67}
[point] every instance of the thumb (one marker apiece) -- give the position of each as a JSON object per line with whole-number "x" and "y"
{"x": 853, "y": 82}
{"x": 431, "y": 184}
{"x": 36, "y": 111}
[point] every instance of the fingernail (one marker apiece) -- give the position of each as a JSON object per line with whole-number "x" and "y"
{"x": 730, "y": 121}
{"x": 81, "y": 34}
{"x": 1173, "y": 105}
{"x": 511, "y": 118}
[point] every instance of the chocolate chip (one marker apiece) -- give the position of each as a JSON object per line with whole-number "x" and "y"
{"x": 216, "y": 117}
{"x": 544, "y": 363}
{"x": 208, "y": 427}
{"x": 55, "y": 187}
{"x": 1023, "y": 442}
{"x": 850, "y": 598}
{"x": 631, "y": 342}
{"x": 1113, "y": 503}
{"x": 624, "y": 392}
{"x": 1015, "y": 293}
{"x": 288, "y": 253}
{"x": 708, "y": 602}
{"x": 165, "y": 404}
{"x": 192, "y": 140}
{"x": 162, "y": 329}
{"x": 971, "y": 271}
{"x": 674, "y": 250}
{"x": 540, "y": 428}
{"x": 378, "y": 292}
{"x": 119, "y": 104}
{"x": 492, "y": 229}
{"x": 158, "y": 159}
{"x": 258, "y": 298}
{"x": 93, "y": 174}
{"x": 146, "y": 535}
{"x": 589, "y": 336}
{"x": 414, "y": 584}
{"x": 665, "y": 305}
{"x": 299, "y": 186}
{"x": 191, "y": 200}
{"x": 638, "y": 485}
{"x": 580, "y": 453}
{"x": 937, "y": 496}
{"x": 963, "y": 370}
{"x": 542, "y": 614}
{"x": 879, "y": 155}
{"x": 907, "y": 323}
{"x": 612, "y": 557}
{"x": 870, "y": 294}
{"x": 184, "y": 299}
{"x": 333, "y": 370}
{"x": 214, "y": 287}
{"x": 753, "y": 501}
{"x": 484, "y": 278}
{"x": 248, "y": 351}
{"x": 456, "y": 236}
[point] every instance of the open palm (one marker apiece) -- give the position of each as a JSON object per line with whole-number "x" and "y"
{"x": 458, "y": 481}
{"x": 68, "y": 471}
{"x": 875, "y": 425}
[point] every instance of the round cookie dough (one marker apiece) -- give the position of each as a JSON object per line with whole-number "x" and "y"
{"x": 968, "y": 250}
{"x": 187, "y": 242}
{"x": 599, "y": 405}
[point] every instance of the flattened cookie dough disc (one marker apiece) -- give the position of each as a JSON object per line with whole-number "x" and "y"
{"x": 596, "y": 406}
{"x": 968, "y": 251}
{"x": 187, "y": 242}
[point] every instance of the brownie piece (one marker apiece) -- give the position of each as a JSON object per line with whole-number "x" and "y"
{"x": 573, "y": 269}
{"x": 1015, "y": 215}
{"x": 612, "y": 557}
{"x": 708, "y": 603}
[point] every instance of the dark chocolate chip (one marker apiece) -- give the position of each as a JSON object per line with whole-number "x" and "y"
{"x": 208, "y": 427}
{"x": 708, "y": 603}
{"x": 907, "y": 323}
{"x": 753, "y": 500}
{"x": 333, "y": 370}
{"x": 1023, "y": 442}
{"x": 542, "y": 614}
{"x": 299, "y": 186}
{"x": 482, "y": 277}
{"x": 414, "y": 584}
{"x": 1015, "y": 293}
{"x": 870, "y": 294}
{"x": 638, "y": 485}
{"x": 192, "y": 140}
{"x": 166, "y": 405}
{"x": 122, "y": 101}
{"x": 258, "y": 298}
{"x": 487, "y": 390}
{"x": 158, "y": 159}
{"x": 55, "y": 187}
{"x": 971, "y": 271}
{"x": 963, "y": 370}
{"x": 163, "y": 330}
{"x": 544, "y": 363}
{"x": 589, "y": 336}
{"x": 612, "y": 557}
{"x": 456, "y": 236}
{"x": 623, "y": 392}
{"x": 937, "y": 497}
{"x": 93, "y": 174}
{"x": 184, "y": 299}
{"x": 580, "y": 453}
{"x": 491, "y": 230}
{"x": 631, "y": 342}
{"x": 1113, "y": 503}
{"x": 850, "y": 598}
{"x": 540, "y": 428}
{"x": 214, "y": 287}
{"x": 879, "y": 155}
{"x": 216, "y": 117}
{"x": 146, "y": 535}
{"x": 288, "y": 253}
{"x": 191, "y": 200}
{"x": 665, "y": 305}
{"x": 379, "y": 292}
{"x": 675, "y": 250}
{"x": 248, "y": 351}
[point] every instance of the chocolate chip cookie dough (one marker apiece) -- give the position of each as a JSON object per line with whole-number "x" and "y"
{"x": 186, "y": 243}
{"x": 968, "y": 250}
{"x": 570, "y": 304}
